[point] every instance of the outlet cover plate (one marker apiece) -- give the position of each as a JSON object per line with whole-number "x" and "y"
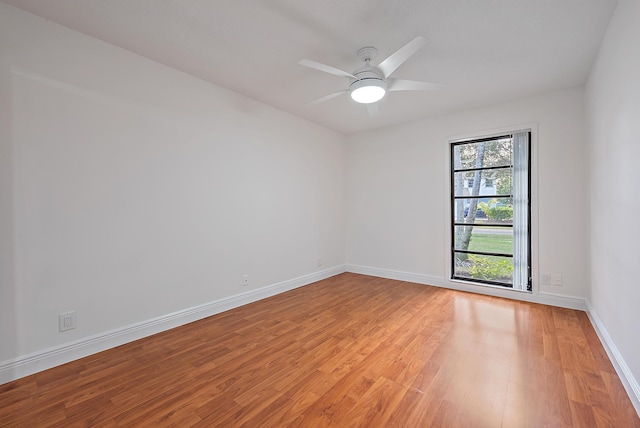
{"x": 557, "y": 280}
{"x": 67, "y": 321}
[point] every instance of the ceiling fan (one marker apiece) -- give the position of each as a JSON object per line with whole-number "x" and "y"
{"x": 370, "y": 83}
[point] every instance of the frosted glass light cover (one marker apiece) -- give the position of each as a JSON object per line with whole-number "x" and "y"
{"x": 368, "y": 91}
{"x": 368, "y": 94}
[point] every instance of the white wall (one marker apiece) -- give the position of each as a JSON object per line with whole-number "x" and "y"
{"x": 613, "y": 112}
{"x": 129, "y": 190}
{"x": 398, "y": 191}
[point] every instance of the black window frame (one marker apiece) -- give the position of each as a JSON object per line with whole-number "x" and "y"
{"x": 453, "y": 199}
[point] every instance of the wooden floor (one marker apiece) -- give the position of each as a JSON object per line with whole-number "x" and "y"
{"x": 352, "y": 350}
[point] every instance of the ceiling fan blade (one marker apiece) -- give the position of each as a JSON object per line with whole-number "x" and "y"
{"x": 412, "y": 85}
{"x": 397, "y": 58}
{"x": 326, "y": 98}
{"x": 326, "y": 68}
{"x": 372, "y": 108}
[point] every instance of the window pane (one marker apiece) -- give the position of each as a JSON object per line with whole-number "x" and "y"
{"x": 485, "y": 239}
{"x": 492, "y": 153}
{"x": 484, "y": 268}
{"x": 490, "y": 182}
{"x": 487, "y": 211}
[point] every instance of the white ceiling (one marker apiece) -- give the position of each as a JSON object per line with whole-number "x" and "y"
{"x": 485, "y": 51}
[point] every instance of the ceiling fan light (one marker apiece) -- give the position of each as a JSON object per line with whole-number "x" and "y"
{"x": 368, "y": 91}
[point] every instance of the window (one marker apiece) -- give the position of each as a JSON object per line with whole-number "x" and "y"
{"x": 490, "y": 229}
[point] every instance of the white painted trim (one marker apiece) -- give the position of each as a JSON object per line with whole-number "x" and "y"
{"x": 542, "y": 298}
{"x": 622, "y": 369}
{"x": 48, "y": 358}
{"x": 561, "y": 300}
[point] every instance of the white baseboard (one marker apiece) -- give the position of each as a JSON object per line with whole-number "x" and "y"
{"x": 543, "y": 298}
{"x": 622, "y": 369}
{"x": 42, "y": 360}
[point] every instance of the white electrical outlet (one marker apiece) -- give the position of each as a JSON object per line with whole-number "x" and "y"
{"x": 245, "y": 280}
{"x": 67, "y": 321}
{"x": 557, "y": 279}
{"x": 546, "y": 279}
{"x": 319, "y": 261}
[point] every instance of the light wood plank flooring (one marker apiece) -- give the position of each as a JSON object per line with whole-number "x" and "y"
{"x": 352, "y": 350}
